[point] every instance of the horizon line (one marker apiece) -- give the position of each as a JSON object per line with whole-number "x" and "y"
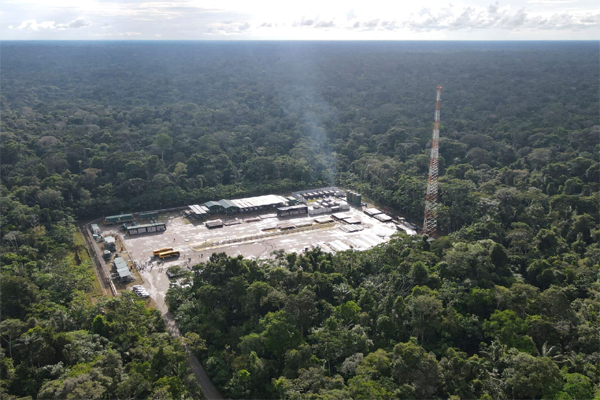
{"x": 300, "y": 40}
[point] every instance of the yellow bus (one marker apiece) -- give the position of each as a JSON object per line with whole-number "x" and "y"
{"x": 157, "y": 252}
{"x": 168, "y": 254}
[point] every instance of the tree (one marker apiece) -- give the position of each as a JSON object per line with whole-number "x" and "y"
{"x": 412, "y": 365}
{"x": 425, "y": 312}
{"x": 17, "y": 295}
{"x": 11, "y": 329}
{"x": 509, "y": 329}
{"x": 279, "y": 333}
{"x": 531, "y": 377}
{"x": 419, "y": 274}
{"x": 164, "y": 142}
{"x": 348, "y": 312}
{"x": 577, "y": 386}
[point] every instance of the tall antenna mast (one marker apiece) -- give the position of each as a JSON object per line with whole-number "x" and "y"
{"x": 431, "y": 206}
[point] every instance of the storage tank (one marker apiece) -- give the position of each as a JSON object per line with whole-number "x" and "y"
{"x": 358, "y": 199}
{"x": 348, "y": 196}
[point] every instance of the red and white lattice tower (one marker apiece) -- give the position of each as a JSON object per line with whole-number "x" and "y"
{"x": 431, "y": 211}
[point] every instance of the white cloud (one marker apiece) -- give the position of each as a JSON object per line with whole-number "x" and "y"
{"x": 227, "y": 28}
{"x": 33, "y": 25}
{"x": 122, "y": 34}
{"x": 551, "y": 2}
{"x": 309, "y": 19}
{"x": 471, "y": 18}
{"x": 325, "y": 24}
{"x": 314, "y": 23}
{"x": 78, "y": 23}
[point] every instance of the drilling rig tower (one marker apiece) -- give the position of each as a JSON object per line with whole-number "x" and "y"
{"x": 431, "y": 206}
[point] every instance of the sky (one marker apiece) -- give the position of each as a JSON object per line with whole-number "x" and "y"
{"x": 299, "y": 20}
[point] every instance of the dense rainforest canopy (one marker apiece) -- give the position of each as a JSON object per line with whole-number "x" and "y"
{"x": 505, "y": 304}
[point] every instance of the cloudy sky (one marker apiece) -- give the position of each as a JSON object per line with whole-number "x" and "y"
{"x": 299, "y": 20}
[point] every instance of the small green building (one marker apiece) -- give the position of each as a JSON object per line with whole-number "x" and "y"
{"x": 118, "y": 219}
{"x": 149, "y": 215}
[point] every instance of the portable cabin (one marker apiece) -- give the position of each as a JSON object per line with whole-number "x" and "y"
{"x": 123, "y": 269}
{"x": 110, "y": 243}
{"x": 198, "y": 212}
{"x": 383, "y": 217}
{"x": 118, "y": 219}
{"x": 95, "y": 229}
{"x": 149, "y": 215}
{"x": 217, "y": 223}
{"x": 148, "y": 228}
{"x": 292, "y": 210}
{"x": 371, "y": 212}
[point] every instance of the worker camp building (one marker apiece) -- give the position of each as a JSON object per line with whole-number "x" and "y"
{"x": 236, "y": 206}
{"x": 326, "y": 200}
{"x": 292, "y": 210}
{"x": 197, "y": 212}
{"x": 147, "y": 228}
{"x": 122, "y": 269}
{"x": 118, "y": 219}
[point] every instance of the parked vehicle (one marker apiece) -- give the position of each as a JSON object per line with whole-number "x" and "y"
{"x": 169, "y": 254}
{"x": 157, "y": 252}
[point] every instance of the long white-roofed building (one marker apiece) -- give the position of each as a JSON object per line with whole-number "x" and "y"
{"x": 245, "y": 205}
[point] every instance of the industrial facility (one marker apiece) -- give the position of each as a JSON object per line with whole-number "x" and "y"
{"x": 237, "y": 206}
{"x": 326, "y": 200}
{"x": 328, "y": 218}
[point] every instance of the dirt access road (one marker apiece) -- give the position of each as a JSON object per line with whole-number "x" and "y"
{"x": 209, "y": 390}
{"x": 151, "y": 280}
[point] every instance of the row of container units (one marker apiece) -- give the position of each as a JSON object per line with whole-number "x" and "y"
{"x": 318, "y": 209}
{"x": 292, "y": 210}
{"x": 122, "y": 269}
{"x": 118, "y": 219}
{"x": 330, "y": 202}
{"x": 319, "y": 194}
{"x": 354, "y": 198}
{"x": 341, "y": 217}
{"x": 246, "y": 205}
{"x": 383, "y": 218}
{"x": 148, "y": 228}
{"x": 302, "y": 195}
{"x": 197, "y": 212}
{"x": 371, "y": 212}
{"x": 150, "y": 215}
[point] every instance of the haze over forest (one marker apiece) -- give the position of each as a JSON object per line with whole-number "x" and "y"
{"x": 505, "y": 303}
